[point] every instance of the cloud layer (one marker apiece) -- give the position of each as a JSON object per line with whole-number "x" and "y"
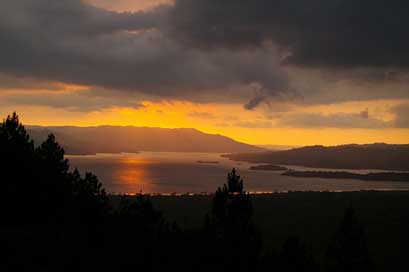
{"x": 76, "y": 101}
{"x": 248, "y": 52}
{"x": 71, "y": 41}
{"x": 334, "y": 120}
{"x": 402, "y": 116}
{"x": 344, "y": 33}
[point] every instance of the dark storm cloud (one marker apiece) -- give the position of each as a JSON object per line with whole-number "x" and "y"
{"x": 339, "y": 33}
{"x": 71, "y": 41}
{"x": 254, "y": 102}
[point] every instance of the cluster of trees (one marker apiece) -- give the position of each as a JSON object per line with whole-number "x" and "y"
{"x": 37, "y": 184}
{"x": 54, "y": 219}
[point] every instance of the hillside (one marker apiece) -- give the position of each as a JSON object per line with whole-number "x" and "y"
{"x": 116, "y": 139}
{"x": 371, "y": 156}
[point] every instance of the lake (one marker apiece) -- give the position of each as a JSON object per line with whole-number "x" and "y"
{"x": 174, "y": 172}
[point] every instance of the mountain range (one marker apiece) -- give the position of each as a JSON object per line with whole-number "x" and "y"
{"x": 129, "y": 139}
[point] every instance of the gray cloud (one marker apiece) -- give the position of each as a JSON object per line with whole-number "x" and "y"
{"x": 334, "y": 120}
{"x": 402, "y": 116}
{"x": 325, "y": 86}
{"x": 254, "y": 102}
{"x": 77, "y": 101}
{"x": 71, "y": 41}
{"x": 10, "y": 82}
{"x": 313, "y": 120}
{"x": 336, "y": 33}
{"x": 211, "y": 50}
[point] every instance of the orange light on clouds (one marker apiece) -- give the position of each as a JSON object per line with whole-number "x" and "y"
{"x": 127, "y": 5}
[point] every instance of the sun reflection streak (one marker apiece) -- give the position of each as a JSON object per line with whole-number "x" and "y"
{"x": 133, "y": 175}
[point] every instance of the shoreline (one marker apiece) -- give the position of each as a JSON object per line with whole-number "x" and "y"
{"x": 258, "y": 193}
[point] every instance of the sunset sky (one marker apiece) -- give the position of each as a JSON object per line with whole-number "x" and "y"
{"x": 280, "y": 72}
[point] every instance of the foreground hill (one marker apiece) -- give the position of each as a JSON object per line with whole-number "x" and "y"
{"x": 372, "y": 156}
{"x": 116, "y": 139}
{"x": 314, "y": 216}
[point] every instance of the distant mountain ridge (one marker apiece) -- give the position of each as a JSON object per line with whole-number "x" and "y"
{"x": 128, "y": 139}
{"x": 370, "y": 156}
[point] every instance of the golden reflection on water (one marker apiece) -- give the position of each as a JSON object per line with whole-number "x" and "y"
{"x": 133, "y": 174}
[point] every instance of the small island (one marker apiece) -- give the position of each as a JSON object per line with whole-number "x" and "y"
{"x": 381, "y": 176}
{"x": 208, "y": 162}
{"x": 268, "y": 167}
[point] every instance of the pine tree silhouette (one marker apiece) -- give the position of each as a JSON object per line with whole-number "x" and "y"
{"x": 36, "y": 183}
{"x": 18, "y": 172}
{"x": 230, "y": 226}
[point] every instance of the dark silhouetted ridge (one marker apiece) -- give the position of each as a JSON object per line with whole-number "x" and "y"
{"x": 369, "y": 156}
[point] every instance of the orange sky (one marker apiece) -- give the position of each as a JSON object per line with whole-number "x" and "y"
{"x": 127, "y": 5}
{"x": 226, "y": 119}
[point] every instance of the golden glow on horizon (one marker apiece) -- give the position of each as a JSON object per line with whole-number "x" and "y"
{"x": 226, "y": 119}
{"x": 128, "y": 5}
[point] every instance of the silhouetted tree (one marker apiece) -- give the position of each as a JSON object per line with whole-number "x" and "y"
{"x": 89, "y": 197}
{"x": 234, "y": 182}
{"x": 13, "y": 133}
{"x": 18, "y": 171}
{"x": 231, "y": 204}
{"x": 138, "y": 236}
{"x": 230, "y": 227}
{"x": 55, "y": 188}
{"x": 348, "y": 249}
{"x": 36, "y": 183}
{"x": 52, "y": 156}
{"x": 139, "y": 213}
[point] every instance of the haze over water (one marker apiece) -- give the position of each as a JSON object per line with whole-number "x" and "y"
{"x": 175, "y": 172}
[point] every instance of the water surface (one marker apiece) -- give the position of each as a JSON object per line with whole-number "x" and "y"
{"x": 174, "y": 172}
